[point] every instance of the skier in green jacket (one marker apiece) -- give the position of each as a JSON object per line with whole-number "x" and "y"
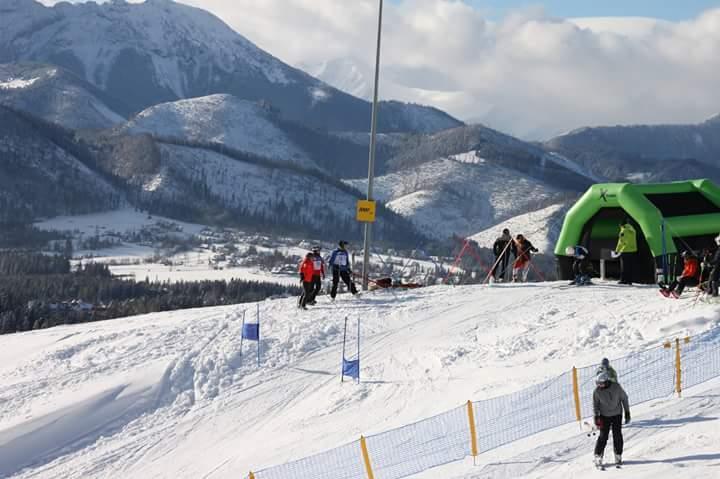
{"x": 607, "y": 369}
{"x": 627, "y": 250}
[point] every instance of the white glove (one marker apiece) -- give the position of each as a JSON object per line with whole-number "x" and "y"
{"x": 615, "y": 254}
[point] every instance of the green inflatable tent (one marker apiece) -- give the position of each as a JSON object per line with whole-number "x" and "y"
{"x": 668, "y": 218}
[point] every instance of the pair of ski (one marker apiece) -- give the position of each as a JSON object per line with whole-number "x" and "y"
{"x": 665, "y": 291}
{"x": 601, "y": 466}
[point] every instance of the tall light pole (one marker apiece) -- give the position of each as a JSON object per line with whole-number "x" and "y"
{"x": 371, "y": 160}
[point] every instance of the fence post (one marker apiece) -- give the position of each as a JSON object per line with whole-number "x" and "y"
{"x": 366, "y": 458}
{"x": 473, "y": 432}
{"x": 251, "y": 475}
{"x": 576, "y": 395}
{"x": 678, "y": 368}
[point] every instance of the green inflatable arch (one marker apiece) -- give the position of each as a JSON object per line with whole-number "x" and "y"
{"x": 668, "y": 217}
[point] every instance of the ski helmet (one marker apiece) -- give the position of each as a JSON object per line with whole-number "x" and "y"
{"x": 602, "y": 379}
{"x": 506, "y": 231}
{"x": 342, "y": 243}
{"x": 316, "y": 249}
{"x": 605, "y": 362}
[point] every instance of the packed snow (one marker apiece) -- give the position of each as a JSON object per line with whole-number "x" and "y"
{"x": 170, "y": 395}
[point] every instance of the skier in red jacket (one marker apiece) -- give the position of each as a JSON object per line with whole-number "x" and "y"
{"x": 690, "y": 273}
{"x": 307, "y": 270}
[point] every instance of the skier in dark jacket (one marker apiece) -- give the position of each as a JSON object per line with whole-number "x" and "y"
{"x": 318, "y": 273}
{"x": 502, "y": 248}
{"x": 715, "y": 272}
{"x": 340, "y": 264}
{"x": 582, "y": 268}
{"x": 609, "y": 403}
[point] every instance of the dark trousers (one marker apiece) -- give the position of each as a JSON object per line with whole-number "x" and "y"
{"x": 714, "y": 280}
{"x": 614, "y": 423}
{"x": 317, "y": 286}
{"x": 501, "y": 266}
{"x": 627, "y": 264}
{"x": 307, "y": 293}
{"x": 679, "y": 284}
{"x": 345, "y": 275}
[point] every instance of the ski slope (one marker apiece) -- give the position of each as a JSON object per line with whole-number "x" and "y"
{"x": 169, "y": 395}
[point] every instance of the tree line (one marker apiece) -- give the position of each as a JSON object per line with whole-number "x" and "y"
{"x": 39, "y": 291}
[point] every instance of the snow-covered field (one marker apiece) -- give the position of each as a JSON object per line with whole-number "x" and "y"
{"x": 168, "y": 394}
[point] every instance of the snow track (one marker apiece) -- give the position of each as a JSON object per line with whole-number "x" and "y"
{"x": 169, "y": 395}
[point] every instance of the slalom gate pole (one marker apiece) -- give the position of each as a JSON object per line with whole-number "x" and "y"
{"x": 457, "y": 261}
{"x": 497, "y": 262}
{"x": 342, "y": 363}
{"x": 258, "y": 341}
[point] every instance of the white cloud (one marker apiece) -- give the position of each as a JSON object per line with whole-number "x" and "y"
{"x": 528, "y": 74}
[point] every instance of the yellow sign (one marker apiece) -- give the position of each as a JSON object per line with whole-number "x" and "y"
{"x": 366, "y": 211}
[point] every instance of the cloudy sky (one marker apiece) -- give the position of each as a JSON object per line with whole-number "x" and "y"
{"x": 534, "y": 70}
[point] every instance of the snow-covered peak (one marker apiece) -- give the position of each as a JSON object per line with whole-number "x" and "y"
{"x": 174, "y": 35}
{"x": 221, "y": 118}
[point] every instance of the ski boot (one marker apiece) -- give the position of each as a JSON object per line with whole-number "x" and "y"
{"x": 598, "y": 462}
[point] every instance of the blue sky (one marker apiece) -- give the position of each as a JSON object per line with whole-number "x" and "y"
{"x": 666, "y": 9}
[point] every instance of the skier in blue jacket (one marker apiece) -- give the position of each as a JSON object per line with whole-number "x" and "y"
{"x": 340, "y": 264}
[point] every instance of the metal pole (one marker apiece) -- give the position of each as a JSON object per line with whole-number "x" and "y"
{"x": 371, "y": 161}
{"x": 342, "y": 367}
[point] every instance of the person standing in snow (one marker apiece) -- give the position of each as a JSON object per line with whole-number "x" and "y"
{"x": 581, "y": 266}
{"x": 521, "y": 265}
{"x": 607, "y": 369}
{"x": 609, "y": 403}
{"x": 306, "y": 277}
{"x": 715, "y": 272}
{"x": 318, "y": 273}
{"x": 340, "y": 264}
{"x": 690, "y": 273}
{"x": 502, "y": 248}
{"x": 627, "y": 249}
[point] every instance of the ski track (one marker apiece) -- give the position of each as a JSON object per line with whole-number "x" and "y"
{"x": 195, "y": 408}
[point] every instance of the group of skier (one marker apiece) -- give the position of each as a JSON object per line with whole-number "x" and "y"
{"x": 520, "y": 248}
{"x": 701, "y": 269}
{"x": 312, "y": 272}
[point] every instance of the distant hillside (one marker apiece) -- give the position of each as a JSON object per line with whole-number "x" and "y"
{"x": 56, "y": 95}
{"x": 660, "y": 152}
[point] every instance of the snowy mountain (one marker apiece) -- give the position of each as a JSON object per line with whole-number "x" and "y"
{"x": 42, "y": 174}
{"x": 225, "y": 119}
{"x": 56, "y": 95}
{"x": 160, "y": 51}
{"x": 620, "y": 151}
{"x": 460, "y": 194}
{"x": 172, "y": 394}
{"x": 349, "y": 75}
